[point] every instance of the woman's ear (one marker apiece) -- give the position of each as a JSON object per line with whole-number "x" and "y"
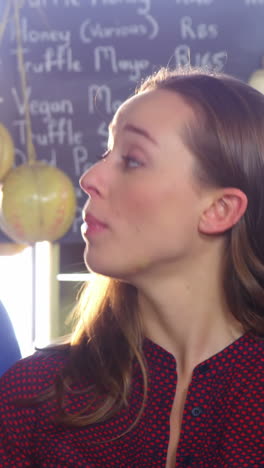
{"x": 224, "y": 212}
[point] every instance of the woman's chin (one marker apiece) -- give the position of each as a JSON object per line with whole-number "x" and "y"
{"x": 102, "y": 268}
{"x": 94, "y": 265}
{"x": 107, "y": 265}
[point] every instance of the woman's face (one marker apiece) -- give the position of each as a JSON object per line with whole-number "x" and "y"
{"x": 143, "y": 192}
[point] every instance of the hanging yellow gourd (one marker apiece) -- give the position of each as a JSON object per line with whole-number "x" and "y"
{"x": 37, "y": 203}
{"x": 6, "y": 151}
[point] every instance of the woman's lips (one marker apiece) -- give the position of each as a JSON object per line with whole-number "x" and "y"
{"x": 92, "y": 225}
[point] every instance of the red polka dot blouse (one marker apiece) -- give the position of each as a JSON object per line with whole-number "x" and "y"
{"x": 223, "y": 421}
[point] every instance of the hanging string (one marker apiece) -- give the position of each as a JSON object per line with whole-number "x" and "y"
{"x": 31, "y": 152}
{"x": 5, "y": 19}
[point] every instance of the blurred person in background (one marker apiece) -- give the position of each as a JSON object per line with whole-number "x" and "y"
{"x": 9, "y": 349}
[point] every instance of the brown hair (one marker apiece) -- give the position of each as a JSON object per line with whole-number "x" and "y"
{"x": 226, "y": 134}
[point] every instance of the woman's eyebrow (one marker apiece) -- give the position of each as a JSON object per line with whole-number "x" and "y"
{"x": 137, "y": 130}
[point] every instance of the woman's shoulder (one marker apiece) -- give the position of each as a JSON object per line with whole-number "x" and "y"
{"x": 33, "y": 374}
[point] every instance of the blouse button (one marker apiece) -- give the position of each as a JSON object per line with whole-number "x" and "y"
{"x": 196, "y": 411}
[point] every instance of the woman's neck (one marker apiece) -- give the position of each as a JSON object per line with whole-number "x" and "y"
{"x": 188, "y": 318}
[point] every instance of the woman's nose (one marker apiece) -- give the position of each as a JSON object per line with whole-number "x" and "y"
{"x": 93, "y": 181}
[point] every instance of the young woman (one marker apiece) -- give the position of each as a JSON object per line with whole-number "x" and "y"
{"x": 165, "y": 366}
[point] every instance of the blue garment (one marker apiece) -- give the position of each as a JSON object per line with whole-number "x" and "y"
{"x": 9, "y": 349}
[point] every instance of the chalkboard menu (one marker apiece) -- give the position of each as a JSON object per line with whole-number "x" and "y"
{"x": 75, "y": 50}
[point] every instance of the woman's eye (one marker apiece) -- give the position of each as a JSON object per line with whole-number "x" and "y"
{"x": 131, "y": 163}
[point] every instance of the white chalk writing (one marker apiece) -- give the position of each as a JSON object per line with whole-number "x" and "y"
{"x": 58, "y": 3}
{"x": 210, "y": 60}
{"x": 154, "y": 25}
{"x": 98, "y": 95}
{"x": 42, "y": 107}
{"x": 34, "y": 36}
{"x": 90, "y": 31}
{"x": 254, "y": 2}
{"x": 21, "y": 158}
{"x": 194, "y": 2}
{"x": 80, "y": 160}
{"x": 124, "y": 30}
{"x": 133, "y": 67}
{"x": 201, "y": 31}
{"x": 103, "y": 132}
{"x": 58, "y": 131}
{"x": 144, "y": 5}
{"x": 59, "y": 58}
